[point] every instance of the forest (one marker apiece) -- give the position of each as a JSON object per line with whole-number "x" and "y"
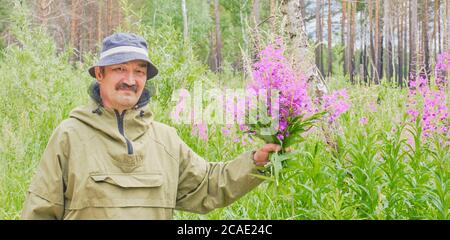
{"x": 375, "y": 135}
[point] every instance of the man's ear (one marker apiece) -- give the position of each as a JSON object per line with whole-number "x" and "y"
{"x": 98, "y": 74}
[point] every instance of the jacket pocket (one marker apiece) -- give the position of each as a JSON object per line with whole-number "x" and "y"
{"x": 123, "y": 190}
{"x": 130, "y": 181}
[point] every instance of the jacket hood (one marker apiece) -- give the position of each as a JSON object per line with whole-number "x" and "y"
{"x": 135, "y": 121}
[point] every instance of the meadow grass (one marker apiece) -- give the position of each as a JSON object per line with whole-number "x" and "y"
{"x": 373, "y": 173}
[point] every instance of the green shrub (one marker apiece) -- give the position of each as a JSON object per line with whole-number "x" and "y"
{"x": 39, "y": 88}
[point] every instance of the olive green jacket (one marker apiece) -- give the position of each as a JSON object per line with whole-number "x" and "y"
{"x": 106, "y": 165}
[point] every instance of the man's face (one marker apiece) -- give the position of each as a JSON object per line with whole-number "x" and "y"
{"x": 121, "y": 85}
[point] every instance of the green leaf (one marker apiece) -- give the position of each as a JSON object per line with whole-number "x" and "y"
{"x": 262, "y": 177}
{"x": 275, "y": 160}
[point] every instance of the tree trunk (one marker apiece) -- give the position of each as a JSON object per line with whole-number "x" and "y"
{"x": 82, "y": 22}
{"x": 380, "y": 50}
{"x": 185, "y": 22}
{"x": 434, "y": 35}
{"x": 378, "y": 43}
{"x": 302, "y": 7}
{"x": 99, "y": 21}
{"x": 343, "y": 34}
{"x": 446, "y": 29}
{"x": 349, "y": 40}
{"x": 365, "y": 51}
{"x": 301, "y": 58}
{"x": 413, "y": 40}
{"x": 119, "y": 14}
{"x": 319, "y": 59}
{"x": 388, "y": 39}
{"x": 91, "y": 12}
{"x": 212, "y": 53}
{"x": 109, "y": 16}
{"x": 405, "y": 40}
{"x": 218, "y": 47}
{"x": 273, "y": 7}
{"x": 352, "y": 28}
{"x": 400, "y": 49}
{"x": 330, "y": 49}
{"x": 74, "y": 32}
{"x": 61, "y": 23}
{"x": 372, "y": 45}
{"x": 439, "y": 42}
{"x": 426, "y": 51}
{"x": 255, "y": 13}
{"x": 44, "y": 11}
{"x": 377, "y": 36}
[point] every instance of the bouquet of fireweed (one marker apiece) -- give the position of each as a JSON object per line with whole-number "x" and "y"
{"x": 280, "y": 110}
{"x": 276, "y": 108}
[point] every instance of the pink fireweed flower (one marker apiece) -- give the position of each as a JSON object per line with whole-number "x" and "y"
{"x": 363, "y": 121}
{"x": 200, "y": 130}
{"x": 432, "y": 105}
{"x": 226, "y": 131}
{"x": 235, "y": 108}
{"x": 442, "y": 69}
{"x": 410, "y": 141}
{"x": 273, "y": 72}
{"x": 280, "y": 137}
{"x": 373, "y": 107}
{"x": 245, "y": 139}
{"x": 182, "y": 104}
{"x": 336, "y": 104}
{"x": 419, "y": 83}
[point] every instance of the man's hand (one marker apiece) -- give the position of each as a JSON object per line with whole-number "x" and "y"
{"x": 261, "y": 156}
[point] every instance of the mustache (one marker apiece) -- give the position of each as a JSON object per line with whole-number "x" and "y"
{"x": 124, "y": 86}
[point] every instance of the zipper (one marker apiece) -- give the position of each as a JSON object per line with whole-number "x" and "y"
{"x": 120, "y": 118}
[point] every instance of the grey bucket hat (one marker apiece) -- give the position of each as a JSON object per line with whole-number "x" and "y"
{"x": 124, "y": 47}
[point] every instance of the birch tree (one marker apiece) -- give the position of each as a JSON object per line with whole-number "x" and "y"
{"x": 318, "y": 49}
{"x": 185, "y": 22}
{"x": 302, "y": 57}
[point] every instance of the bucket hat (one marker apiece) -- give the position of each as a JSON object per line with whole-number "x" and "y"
{"x": 124, "y": 47}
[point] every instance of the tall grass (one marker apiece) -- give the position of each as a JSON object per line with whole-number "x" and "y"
{"x": 38, "y": 90}
{"x": 381, "y": 169}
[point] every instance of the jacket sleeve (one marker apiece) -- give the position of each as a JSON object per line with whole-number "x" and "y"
{"x": 45, "y": 197}
{"x": 204, "y": 186}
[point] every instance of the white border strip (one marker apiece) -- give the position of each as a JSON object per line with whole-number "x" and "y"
{"x": 124, "y": 49}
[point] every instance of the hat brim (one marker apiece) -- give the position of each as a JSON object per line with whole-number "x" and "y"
{"x": 118, "y": 58}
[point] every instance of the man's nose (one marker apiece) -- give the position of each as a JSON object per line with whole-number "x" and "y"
{"x": 129, "y": 79}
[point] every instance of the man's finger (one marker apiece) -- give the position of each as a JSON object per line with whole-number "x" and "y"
{"x": 271, "y": 147}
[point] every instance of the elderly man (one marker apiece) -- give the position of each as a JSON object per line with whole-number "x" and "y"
{"x": 110, "y": 160}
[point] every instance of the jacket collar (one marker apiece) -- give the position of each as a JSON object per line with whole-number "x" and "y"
{"x": 136, "y": 121}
